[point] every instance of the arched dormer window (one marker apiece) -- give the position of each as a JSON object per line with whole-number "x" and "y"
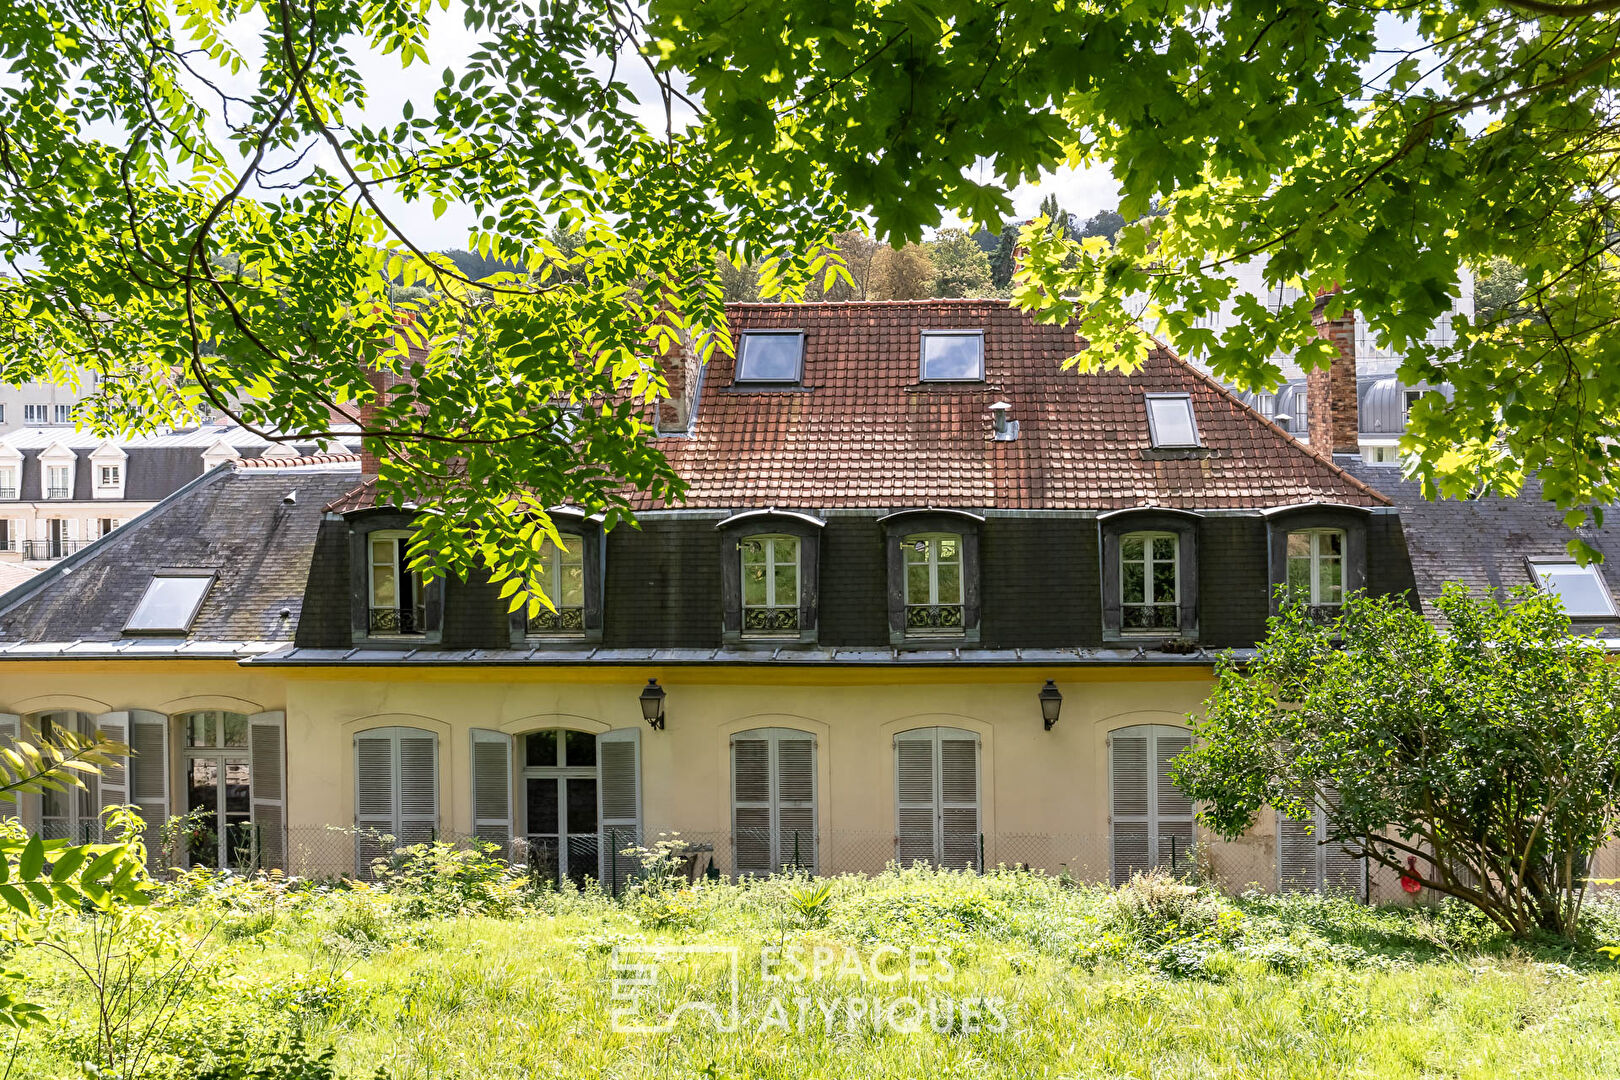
{"x": 770, "y": 573}
{"x": 573, "y": 582}
{"x": 933, "y": 558}
{"x": 1319, "y": 553}
{"x": 1150, "y": 575}
{"x": 390, "y": 603}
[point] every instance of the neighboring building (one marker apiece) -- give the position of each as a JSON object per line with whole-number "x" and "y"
{"x": 1383, "y": 403}
{"x": 62, "y": 488}
{"x": 43, "y": 404}
{"x": 929, "y": 597}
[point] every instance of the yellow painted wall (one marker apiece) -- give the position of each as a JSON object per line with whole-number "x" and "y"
{"x": 1044, "y": 795}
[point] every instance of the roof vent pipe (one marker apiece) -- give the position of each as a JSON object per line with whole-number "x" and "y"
{"x": 1006, "y": 430}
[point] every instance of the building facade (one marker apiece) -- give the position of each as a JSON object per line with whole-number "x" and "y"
{"x": 929, "y": 597}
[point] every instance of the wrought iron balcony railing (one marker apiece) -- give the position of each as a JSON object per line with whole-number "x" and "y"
{"x": 398, "y": 620}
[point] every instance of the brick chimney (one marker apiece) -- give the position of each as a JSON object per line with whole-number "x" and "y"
{"x": 680, "y": 369}
{"x": 1331, "y": 411}
{"x": 370, "y": 464}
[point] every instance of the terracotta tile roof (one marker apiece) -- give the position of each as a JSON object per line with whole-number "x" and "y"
{"x": 297, "y": 462}
{"x": 364, "y": 495}
{"x": 865, "y": 433}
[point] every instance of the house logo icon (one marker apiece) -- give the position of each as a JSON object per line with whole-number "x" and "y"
{"x": 655, "y": 986}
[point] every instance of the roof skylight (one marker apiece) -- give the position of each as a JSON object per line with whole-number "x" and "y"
{"x": 1581, "y": 588}
{"x": 1170, "y": 420}
{"x": 953, "y": 356}
{"x": 770, "y": 356}
{"x": 170, "y": 602}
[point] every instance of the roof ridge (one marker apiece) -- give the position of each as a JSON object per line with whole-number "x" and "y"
{"x": 366, "y": 484}
{"x": 1304, "y": 448}
{"x": 287, "y": 463}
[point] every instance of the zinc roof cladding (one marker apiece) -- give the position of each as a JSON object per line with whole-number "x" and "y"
{"x": 866, "y": 432}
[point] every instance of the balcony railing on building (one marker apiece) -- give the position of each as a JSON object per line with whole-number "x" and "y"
{"x": 940, "y": 619}
{"x": 387, "y": 620}
{"x": 54, "y": 492}
{"x": 1150, "y": 617}
{"x": 47, "y": 550}
{"x": 7, "y": 493}
{"x": 565, "y": 620}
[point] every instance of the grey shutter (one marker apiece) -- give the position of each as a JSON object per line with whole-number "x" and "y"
{"x": 959, "y": 800}
{"x": 795, "y": 824}
{"x": 149, "y": 775}
{"x": 1111, "y": 599}
{"x": 730, "y": 582}
{"x": 1187, "y": 577}
{"x": 1129, "y": 817}
{"x": 1296, "y": 856}
{"x": 492, "y": 788}
{"x": 618, "y": 757}
{"x": 1173, "y": 811}
{"x": 10, "y": 732}
{"x": 373, "y": 798}
{"x": 418, "y": 786}
{"x": 751, "y": 804}
{"x": 114, "y": 777}
{"x": 267, "y": 766}
{"x": 916, "y": 798}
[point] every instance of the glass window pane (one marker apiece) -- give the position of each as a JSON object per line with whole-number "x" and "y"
{"x": 236, "y": 729}
{"x": 1299, "y": 578}
{"x": 754, "y": 585}
{"x": 238, "y": 799}
{"x": 953, "y": 356}
{"x": 572, "y": 589}
{"x": 1172, "y": 421}
{"x": 753, "y": 550}
{"x": 200, "y": 729}
{"x": 1299, "y": 544}
{"x": 383, "y": 591}
{"x": 169, "y": 603}
{"x": 1164, "y": 583}
{"x": 1581, "y": 588}
{"x": 581, "y": 806}
{"x": 581, "y": 746}
{"x": 1164, "y": 548}
{"x": 770, "y": 357}
{"x": 950, "y": 583}
{"x": 917, "y": 583}
{"x": 542, "y": 800}
{"x": 950, "y": 548}
{"x": 1331, "y": 581}
{"x": 1132, "y": 583}
{"x": 787, "y": 586}
{"x": 916, "y": 549}
{"x": 1331, "y": 543}
{"x": 787, "y": 549}
{"x": 1131, "y": 548}
{"x": 540, "y": 749}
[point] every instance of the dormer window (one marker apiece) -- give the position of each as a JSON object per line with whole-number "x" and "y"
{"x": 1581, "y": 588}
{"x": 170, "y": 602}
{"x": 1150, "y": 591}
{"x": 952, "y": 356}
{"x": 1170, "y": 421}
{"x": 395, "y": 596}
{"x": 1316, "y": 568}
{"x": 935, "y": 604}
{"x": 770, "y": 586}
{"x": 58, "y": 481}
{"x": 770, "y": 356}
{"x": 109, "y": 476}
{"x": 8, "y": 482}
{"x": 565, "y": 587}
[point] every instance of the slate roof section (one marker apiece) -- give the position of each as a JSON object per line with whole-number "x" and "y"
{"x": 863, "y": 432}
{"x": 1486, "y": 543}
{"x": 233, "y": 521}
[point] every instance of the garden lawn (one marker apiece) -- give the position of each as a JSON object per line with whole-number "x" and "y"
{"x": 1155, "y": 980}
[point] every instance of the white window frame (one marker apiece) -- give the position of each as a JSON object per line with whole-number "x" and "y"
{"x": 401, "y": 571}
{"x": 933, "y": 561}
{"x": 1317, "y": 560}
{"x": 556, "y": 559}
{"x": 34, "y": 413}
{"x": 52, "y": 473}
{"x": 1149, "y": 563}
{"x": 82, "y": 819}
{"x": 772, "y": 601}
{"x": 8, "y": 482}
{"x": 109, "y": 476}
{"x": 62, "y": 414}
{"x": 1154, "y": 436}
{"x": 922, "y": 356}
{"x": 1537, "y": 565}
{"x": 184, "y": 626}
{"x": 222, "y": 756}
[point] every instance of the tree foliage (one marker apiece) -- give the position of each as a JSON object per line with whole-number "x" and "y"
{"x": 1372, "y": 149}
{"x": 141, "y": 143}
{"x": 961, "y": 267}
{"x": 1488, "y": 748}
{"x": 903, "y": 273}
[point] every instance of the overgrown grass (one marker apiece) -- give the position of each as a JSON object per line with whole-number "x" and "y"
{"x": 1155, "y": 980}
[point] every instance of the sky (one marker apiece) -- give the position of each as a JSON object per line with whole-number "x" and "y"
{"x": 1082, "y": 192}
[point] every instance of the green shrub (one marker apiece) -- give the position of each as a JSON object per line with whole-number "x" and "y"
{"x": 1158, "y": 909}
{"x": 440, "y": 878}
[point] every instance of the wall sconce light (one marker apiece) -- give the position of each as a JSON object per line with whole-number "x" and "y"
{"x": 652, "y": 705}
{"x": 1051, "y": 703}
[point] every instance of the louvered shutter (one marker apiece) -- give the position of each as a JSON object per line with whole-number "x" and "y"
{"x": 959, "y": 801}
{"x": 149, "y": 775}
{"x": 618, "y": 757}
{"x": 1128, "y": 782}
{"x": 418, "y": 787}
{"x": 374, "y": 793}
{"x": 114, "y": 777}
{"x": 916, "y": 798}
{"x": 1296, "y": 856}
{"x": 795, "y": 824}
{"x": 10, "y": 732}
{"x": 751, "y": 803}
{"x": 267, "y": 762}
{"x": 1173, "y": 811}
{"x": 1343, "y": 870}
{"x": 492, "y": 789}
